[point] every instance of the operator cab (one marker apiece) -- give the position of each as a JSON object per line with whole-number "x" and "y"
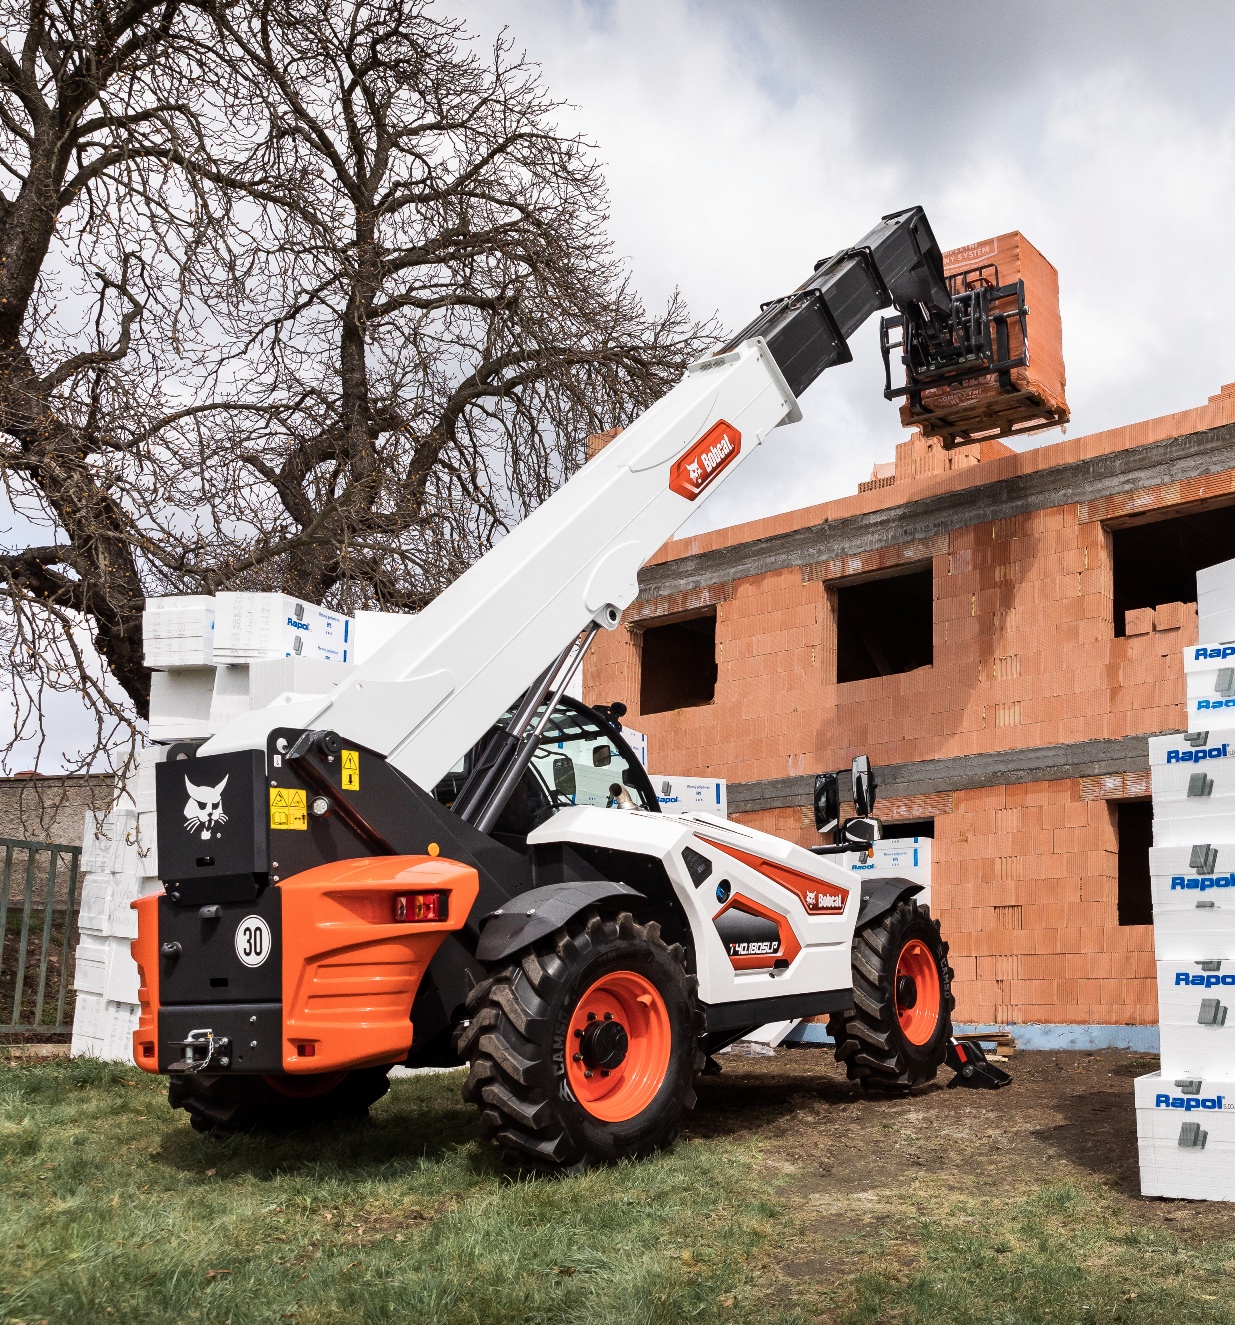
{"x": 580, "y": 759}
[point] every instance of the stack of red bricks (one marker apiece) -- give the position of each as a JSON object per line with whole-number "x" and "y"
{"x": 971, "y": 410}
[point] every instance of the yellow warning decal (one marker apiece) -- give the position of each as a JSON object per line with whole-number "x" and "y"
{"x": 288, "y": 808}
{"x": 350, "y": 771}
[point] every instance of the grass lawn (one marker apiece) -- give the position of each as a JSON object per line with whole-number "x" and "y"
{"x": 792, "y": 1200}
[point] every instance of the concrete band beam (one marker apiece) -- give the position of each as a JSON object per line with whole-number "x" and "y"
{"x": 1190, "y": 456}
{"x": 1044, "y": 763}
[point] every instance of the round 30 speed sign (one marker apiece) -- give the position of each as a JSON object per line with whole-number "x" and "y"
{"x": 253, "y": 940}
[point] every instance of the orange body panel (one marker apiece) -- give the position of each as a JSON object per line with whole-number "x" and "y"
{"x": 819, "y": 897}
{"x": 145, "y": 950}
{"x": 350, "y": 973}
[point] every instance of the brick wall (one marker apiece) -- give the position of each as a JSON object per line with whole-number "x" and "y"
{"x": 1025, "y": 656}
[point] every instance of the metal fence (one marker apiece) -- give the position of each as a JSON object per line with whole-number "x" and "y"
{"x": 38, "y": 936}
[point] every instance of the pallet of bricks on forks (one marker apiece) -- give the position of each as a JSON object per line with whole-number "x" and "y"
{"x": 1185, "y": 1112}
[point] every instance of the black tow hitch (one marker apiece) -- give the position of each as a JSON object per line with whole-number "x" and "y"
{"x": 202, "y": 1049}
{"x": 972, "y": 1068}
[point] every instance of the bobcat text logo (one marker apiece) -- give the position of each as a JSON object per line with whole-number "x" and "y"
{"x": 204, "y": 808}
{"x": 1202, "y": 883}
{"x": 764, "y": 948}
{"x": 1206, "y": 981}
{"x": 825, "y": 901}
{"x": 1189, "y": 1102}
{"x": 692, "y": 472}
{"x": 1219, "y": 651}
{"x": 1196, "y": 756}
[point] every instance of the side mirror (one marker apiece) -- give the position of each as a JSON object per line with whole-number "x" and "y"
{"x": 602, "y": 756}
{"x": 864, "y": 787}
{"x": 827, "y": 801}
{"x": 564, "y": 775}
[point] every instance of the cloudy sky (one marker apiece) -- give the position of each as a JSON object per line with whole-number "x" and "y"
{"x": 744, "y": 140}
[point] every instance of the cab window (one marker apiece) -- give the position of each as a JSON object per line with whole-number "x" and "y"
{"x": 578, "y": 764}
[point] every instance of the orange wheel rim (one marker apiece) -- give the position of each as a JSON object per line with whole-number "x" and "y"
{"x": 917, "y": 992}
{"x": 617, "y": 1046}
{"x": 304, "y": 1087}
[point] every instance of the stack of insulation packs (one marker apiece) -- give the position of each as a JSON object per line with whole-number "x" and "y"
{"x": 196, "y": 689}
{"x": 1185, "y": 1113}
{"x": 275, "y": 625}
{"x": 119, "y": 864}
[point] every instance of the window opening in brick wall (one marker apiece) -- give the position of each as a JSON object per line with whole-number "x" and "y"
{"x": 884, "y": 626}
{"x": 906, "y": 827}
{"x": 1134, "y": 821}
{"x": 1157, "y": 562}
{"x": 678, "y": 665}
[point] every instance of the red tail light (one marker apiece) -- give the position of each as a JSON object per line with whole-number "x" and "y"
{"x": 421, "y": 907}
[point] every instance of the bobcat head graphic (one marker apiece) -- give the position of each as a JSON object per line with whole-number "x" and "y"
{"x": 695, "y": 470}
{"x": 204, "y": 808}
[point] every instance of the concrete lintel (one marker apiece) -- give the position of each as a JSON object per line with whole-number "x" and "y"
{"x": 1041, "y": 763}
{"x": 1191, "y": 456}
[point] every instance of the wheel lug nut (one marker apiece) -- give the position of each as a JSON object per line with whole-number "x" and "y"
{"x": 608, "y": 1016}
{"x": 604, "y": 1071}
{"x": 588, "y": 1075}
{"x": 578, "y": 1058}
{"x": 591, "y": 1016}
{"x": 578, "y": 1035}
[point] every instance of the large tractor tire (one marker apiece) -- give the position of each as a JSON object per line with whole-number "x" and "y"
{"x": 223, "y": 1105}
{"x": 897, "y": 1033}
{"x": 583, "y": 1049}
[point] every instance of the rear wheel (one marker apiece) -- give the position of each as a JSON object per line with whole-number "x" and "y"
{"x": 224, "y": 1105}
{"x": 897, "y": 1033}
{"x": 583, "y": 1049}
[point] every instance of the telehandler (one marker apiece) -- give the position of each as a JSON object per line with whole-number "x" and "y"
{"x": 448, "y": 860}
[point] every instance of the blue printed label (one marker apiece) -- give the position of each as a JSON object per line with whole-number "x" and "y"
{"x": 1201, "y": 882}
{"x": 1197, "y": 756}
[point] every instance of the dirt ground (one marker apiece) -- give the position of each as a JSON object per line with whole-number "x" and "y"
{"x": 1067, "y": 1117}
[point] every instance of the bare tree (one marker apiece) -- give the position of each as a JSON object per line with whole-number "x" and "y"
{"x": 431, "y": 311}
{"x": 90, "y": 242}
{"x": 313, "y": 298}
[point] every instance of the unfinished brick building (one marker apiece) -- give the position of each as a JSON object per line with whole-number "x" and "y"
{"x": 1000, "y": 632}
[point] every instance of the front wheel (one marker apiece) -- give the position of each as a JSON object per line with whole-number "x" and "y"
{"x": 584, "y": 1049}
{"x": 896, "y": 1035}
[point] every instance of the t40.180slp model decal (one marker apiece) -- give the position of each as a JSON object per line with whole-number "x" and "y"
{"x": 816, "y": 895}
{"x": 756, "y": 938}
